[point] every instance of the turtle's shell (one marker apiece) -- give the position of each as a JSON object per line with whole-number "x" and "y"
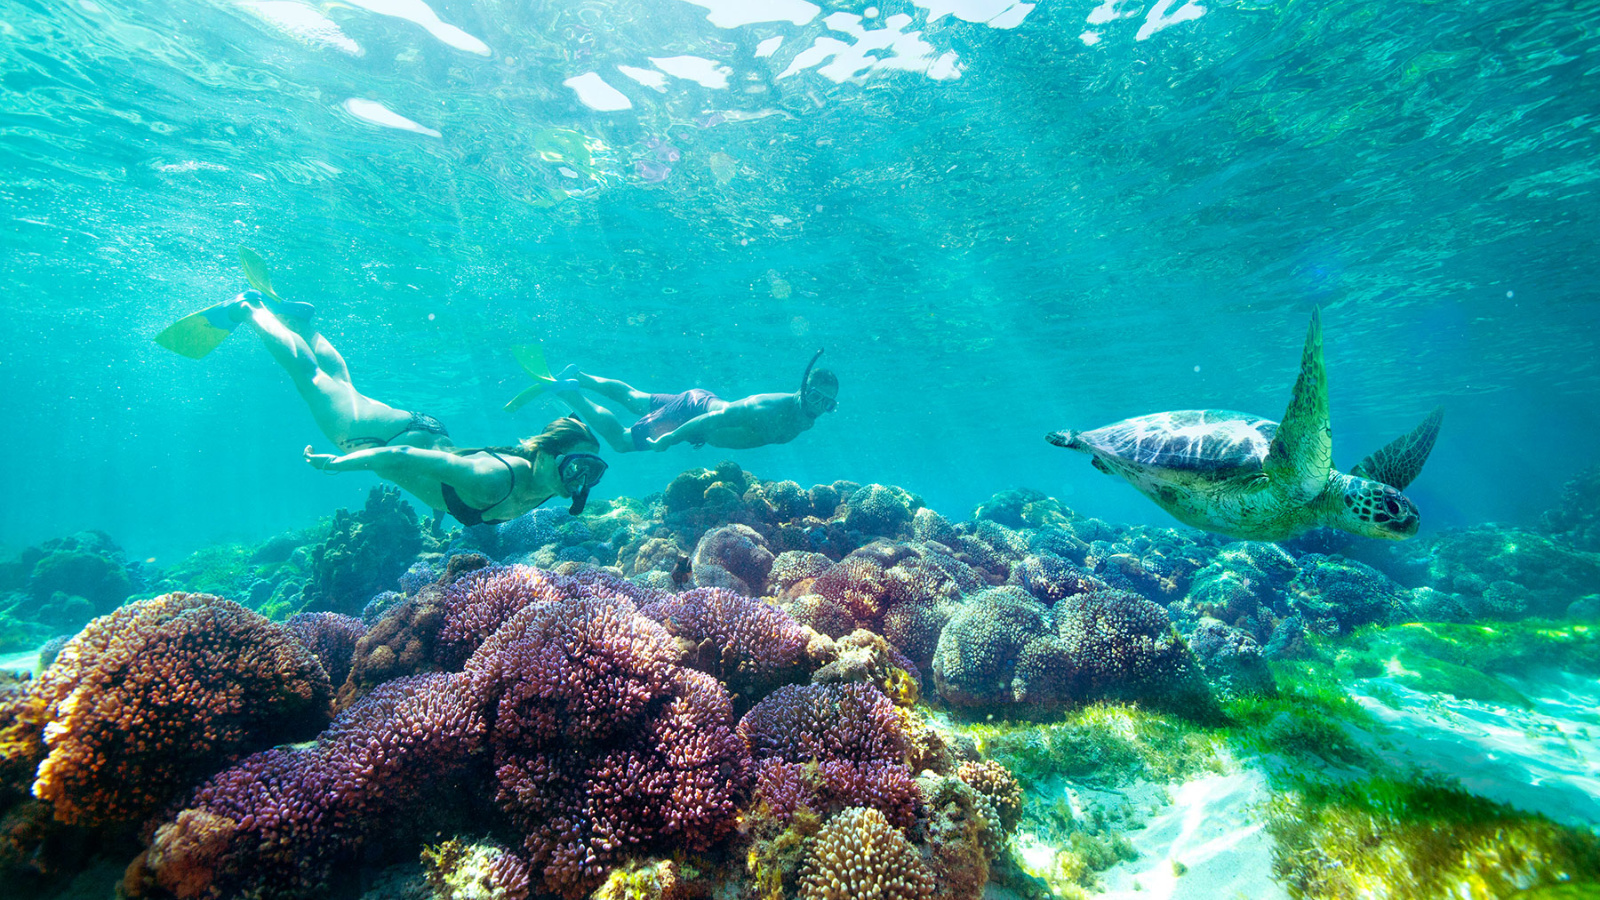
{"x": 1212, "y": 443}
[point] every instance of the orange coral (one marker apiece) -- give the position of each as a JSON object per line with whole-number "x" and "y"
{"x": 149, "y": 700}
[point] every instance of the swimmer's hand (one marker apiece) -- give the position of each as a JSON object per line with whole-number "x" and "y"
{"x": 319, "y": 460}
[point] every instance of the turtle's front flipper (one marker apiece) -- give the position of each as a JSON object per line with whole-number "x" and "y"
{"x": 1301, "y": 456}
{"x": 1399, "y": 463}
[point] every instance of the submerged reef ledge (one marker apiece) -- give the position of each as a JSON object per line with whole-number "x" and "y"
{"x": 740, "y": 688}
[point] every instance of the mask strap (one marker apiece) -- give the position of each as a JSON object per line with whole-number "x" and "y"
{"x": 807, "y": 376}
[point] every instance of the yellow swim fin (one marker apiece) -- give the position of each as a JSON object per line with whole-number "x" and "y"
{"x": 531, "y": 358}
{"x": 198, "y": 334}
{"x": 255, "y": 271}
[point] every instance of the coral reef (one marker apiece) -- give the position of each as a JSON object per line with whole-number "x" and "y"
{"x": 601, "y": 743}
{"x": 724, "y": 690}
{"x": 859, "y": 855}
{"x": 750, "y": 646}
{"x": 151, "y": 698}
{"x": 364, "y": 553}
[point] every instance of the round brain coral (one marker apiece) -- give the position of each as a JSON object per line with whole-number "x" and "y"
{"x": 858, "y": 855}
{"x": 795, "y": 567}
{"x": 975, "y": 661}
{"x": 1052, "y": 579}
{"x": 1123, "y": 647}
{"x": 149, "y": 700}
{"x": 751, "y": 646}
{"x": 732, "y": 556}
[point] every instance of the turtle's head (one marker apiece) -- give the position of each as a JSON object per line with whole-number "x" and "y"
{"x": 1374, "y": 509}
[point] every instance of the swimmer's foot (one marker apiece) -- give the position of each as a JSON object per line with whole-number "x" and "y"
{"x": 288, "y": 309}
{"x": 566, "y": 380}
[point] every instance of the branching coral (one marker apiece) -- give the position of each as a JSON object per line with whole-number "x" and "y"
{"x": 331, "y": 638}
{"x": 284, "y": 822}
{"x": 601, "y": 744}
{"x": 830, "y": 746}
{"x": 859, "y": 855}
{"x": 751, "y": 646}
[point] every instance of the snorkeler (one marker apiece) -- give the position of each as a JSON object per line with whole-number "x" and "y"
{"x": 413, "y": 450}
{"x": 697, "y": 416}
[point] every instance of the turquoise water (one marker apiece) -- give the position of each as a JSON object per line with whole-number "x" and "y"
{"x": 1006, "y": 220}
{"x": 998, "y": 219}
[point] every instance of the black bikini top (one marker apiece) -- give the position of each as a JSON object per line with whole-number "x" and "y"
{"x": 472, "y": 515}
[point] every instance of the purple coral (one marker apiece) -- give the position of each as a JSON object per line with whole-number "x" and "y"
{"x": 603, "y": 746}
{"x": 331, "y": 637}
{"x": 753, "y": 647}
{"x": 286, "y": 820}
{"x": 734, "y": 557}
{"x": 830, "y": 746}
{"x": 479, "y": 602}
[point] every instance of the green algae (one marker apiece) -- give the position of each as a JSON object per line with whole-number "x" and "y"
{"x": 1310, "y": 719}
{"x": 1104, "y": 743}
{"x": 1421, "y": 837}
{"x": 1463, "y": 660}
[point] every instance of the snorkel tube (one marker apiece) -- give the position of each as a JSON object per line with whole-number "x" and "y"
{"x": 807, "y": 376}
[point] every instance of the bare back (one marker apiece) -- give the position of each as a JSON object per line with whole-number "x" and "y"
{"x": 750, "y": 422}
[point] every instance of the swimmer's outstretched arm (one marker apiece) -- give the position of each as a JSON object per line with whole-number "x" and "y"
{"x": 401, "y": 462}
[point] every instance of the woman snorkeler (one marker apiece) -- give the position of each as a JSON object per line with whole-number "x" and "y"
{"x": 413, "y": 450}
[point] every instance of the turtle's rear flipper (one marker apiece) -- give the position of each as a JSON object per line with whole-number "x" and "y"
{"x": 1399, "y": 463}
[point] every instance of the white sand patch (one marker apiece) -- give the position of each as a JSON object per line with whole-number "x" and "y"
{"x": 1544, "y": 760}
{"x": 27, "y": 661}
{"x": 1212, "y": 828}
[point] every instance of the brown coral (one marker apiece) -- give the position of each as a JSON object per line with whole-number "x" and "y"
{"x": 152, "y": 698}
{"x": 858, "y": 855}
{"x": 996, "y": 783}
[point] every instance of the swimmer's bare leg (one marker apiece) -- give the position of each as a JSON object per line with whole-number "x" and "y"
{"x": 619, "y": 392}
{"x": 602, "y": 420}
{"x": 338, "y": 408}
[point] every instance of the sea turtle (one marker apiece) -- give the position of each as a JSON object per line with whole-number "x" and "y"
{"x": 1253, "y": 478}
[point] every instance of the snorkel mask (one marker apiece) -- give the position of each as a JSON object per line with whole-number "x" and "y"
{"x": 578, "y": 473}
{"x": 829, "y": 403}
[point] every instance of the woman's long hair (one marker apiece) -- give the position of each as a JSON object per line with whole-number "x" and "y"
{"x": 561, "y": 436}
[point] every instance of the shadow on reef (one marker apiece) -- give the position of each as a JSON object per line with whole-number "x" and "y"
{"x": 726, "y": 689}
